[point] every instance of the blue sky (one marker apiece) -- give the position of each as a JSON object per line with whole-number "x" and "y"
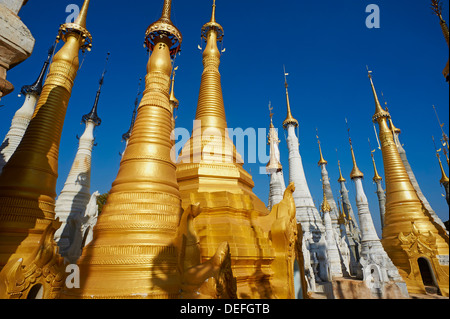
{"x": 325, "y": 46}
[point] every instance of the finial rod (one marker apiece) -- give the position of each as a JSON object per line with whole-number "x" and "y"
{"x": 167, "y": 10}
{"x": 104, "y": 70}
{"x": 213, "y": 17}
{"x": 377, "y": 176}
{"x": 370, "y": 146}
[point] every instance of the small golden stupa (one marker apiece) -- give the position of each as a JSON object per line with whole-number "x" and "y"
{"x": 30, "y": 266}
{"x": 142, "y": 245}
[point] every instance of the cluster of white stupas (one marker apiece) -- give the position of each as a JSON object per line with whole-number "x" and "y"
{"x": 334, "y": 245}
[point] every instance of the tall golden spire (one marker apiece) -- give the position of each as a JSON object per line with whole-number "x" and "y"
{"x": 289, "y": 119}
{"x": 135, "y": 251}
{"x": 409, "y": 233}
{"x": 274, "y": 164}
{"x": 436, "y": 6}
{"x": 29, "y": 260}
{"x": 356, "y": 173}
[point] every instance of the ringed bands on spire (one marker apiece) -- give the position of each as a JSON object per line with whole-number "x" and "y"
{"x": 75, "y": 28}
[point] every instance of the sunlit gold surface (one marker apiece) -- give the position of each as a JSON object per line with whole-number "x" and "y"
{"x": 210, "y": 172}
{"x": 342, "y": 217}
{"x": 437, "y": 8}
{"x": 144, "y": 244}
{"x": 409, "y": 232}
{"x": 394, "y": 129}
{"x": 28, "y": 254}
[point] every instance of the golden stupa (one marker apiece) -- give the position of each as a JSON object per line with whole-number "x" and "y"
{"x": 210, "y": 174}
{"x": 274, "y": 164}
{"x": 436, "y": 6}
{"x": 416, "y": 244}
{"x": 30, "y": 266}
{"x": 143, "y": 246}
{"x": 160, "y": 237}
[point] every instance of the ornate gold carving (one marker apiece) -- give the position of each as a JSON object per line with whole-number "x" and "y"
{"x": 43, "y": 267}
{"x": 416, "y": 243}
